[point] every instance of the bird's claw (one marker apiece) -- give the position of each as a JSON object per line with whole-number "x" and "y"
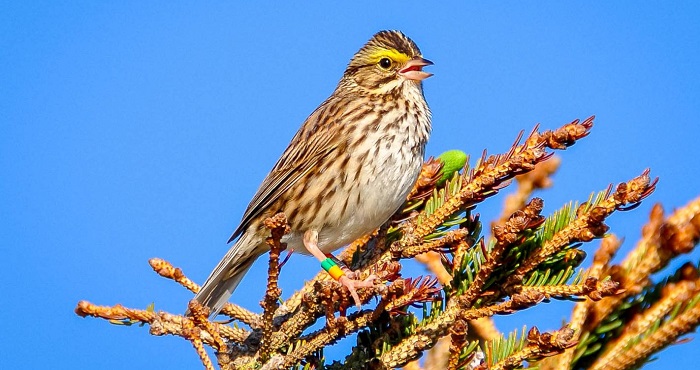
{"x": 352, "y": 285}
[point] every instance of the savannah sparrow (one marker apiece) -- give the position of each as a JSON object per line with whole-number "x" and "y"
{"x": 346, "y": 171}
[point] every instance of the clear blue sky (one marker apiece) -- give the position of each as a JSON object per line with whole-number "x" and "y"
{"x": 130, "y": 131}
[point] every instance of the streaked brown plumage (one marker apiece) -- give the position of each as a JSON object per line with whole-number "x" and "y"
{"x": 348, "y": 168}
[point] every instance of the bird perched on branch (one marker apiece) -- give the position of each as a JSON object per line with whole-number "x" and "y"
{"x": 349, "y": 167}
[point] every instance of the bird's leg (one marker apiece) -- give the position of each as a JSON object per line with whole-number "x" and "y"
{"x": 348, "y": 272}
{"x": 328, "y": 264}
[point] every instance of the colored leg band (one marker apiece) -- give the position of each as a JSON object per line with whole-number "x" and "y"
{"x": 332, "y": 268}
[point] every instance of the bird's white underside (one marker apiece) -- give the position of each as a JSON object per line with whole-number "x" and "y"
{"x": 382, "y": 193}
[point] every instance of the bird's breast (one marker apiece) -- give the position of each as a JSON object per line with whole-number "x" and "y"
{"x": 362, "y": 186}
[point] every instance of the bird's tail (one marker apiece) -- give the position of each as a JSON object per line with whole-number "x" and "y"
{"x": 228, "y": 273}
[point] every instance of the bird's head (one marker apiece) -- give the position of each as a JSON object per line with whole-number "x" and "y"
{"x": 388, "y": 61}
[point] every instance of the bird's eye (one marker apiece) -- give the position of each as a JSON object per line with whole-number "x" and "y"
{"x": 385, "y": 63}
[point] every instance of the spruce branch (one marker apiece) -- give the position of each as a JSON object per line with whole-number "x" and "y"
{"x": 661, "y": 241}
{"x": 538, "y": 345}
{"x": 278, "y": 227}
{"x": 637, "y": 327}
{"x": 505, "y": 236}
{"x": 589, "y": 222}
{"x": 591, "y": 287}
{"x": 168, "y": 271}
{"x": 663, "y": 336}
{"x": 528, "y": 183}
{"x": 458, "y": 336}
{"x": 620, "y": 319}
{"x": 601, "y": 260}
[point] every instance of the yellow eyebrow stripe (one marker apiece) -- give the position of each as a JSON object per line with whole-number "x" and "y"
{"x": 393, "y": 54}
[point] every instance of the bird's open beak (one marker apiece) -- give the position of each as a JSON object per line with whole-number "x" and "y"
{"x": 413, "y": 70}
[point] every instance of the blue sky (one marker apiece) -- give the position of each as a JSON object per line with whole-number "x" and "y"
{"x": 130, "y": 131}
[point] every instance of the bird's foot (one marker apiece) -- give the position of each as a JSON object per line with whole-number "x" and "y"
{"x": 352, "y": 275}
{"x": 342, "y": 273}
{"x": 352, "y": 285}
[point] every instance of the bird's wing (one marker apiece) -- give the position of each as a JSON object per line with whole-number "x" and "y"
{"x": 310, "y": 145}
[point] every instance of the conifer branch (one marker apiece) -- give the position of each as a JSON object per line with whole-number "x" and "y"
{"x": 620, "y": 320}
{"x": 589, "y": 222}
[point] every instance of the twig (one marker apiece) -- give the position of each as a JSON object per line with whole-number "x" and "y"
{"x": 505, "y": 236}
{"x": 458, "y": 336}
{"x": 601, "y": 260}
{"x": 591, "y": 287}
{"x": 589, "y": 223}
{"x": 539, "y": 178}
{"x": 661, "y": 241}
{"x": 539, "y": 345}
{"x": 278, "y": 227}
{"x": 236, "y": 312}
{"x": 665, "y": 335}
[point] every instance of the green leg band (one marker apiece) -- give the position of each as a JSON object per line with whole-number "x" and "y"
{"x": 327, "y": 264}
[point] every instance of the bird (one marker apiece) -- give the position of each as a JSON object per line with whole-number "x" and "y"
{"x": 346, "y": 171}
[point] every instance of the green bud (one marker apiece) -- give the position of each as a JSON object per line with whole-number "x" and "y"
{"x": 453, "y": 161}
